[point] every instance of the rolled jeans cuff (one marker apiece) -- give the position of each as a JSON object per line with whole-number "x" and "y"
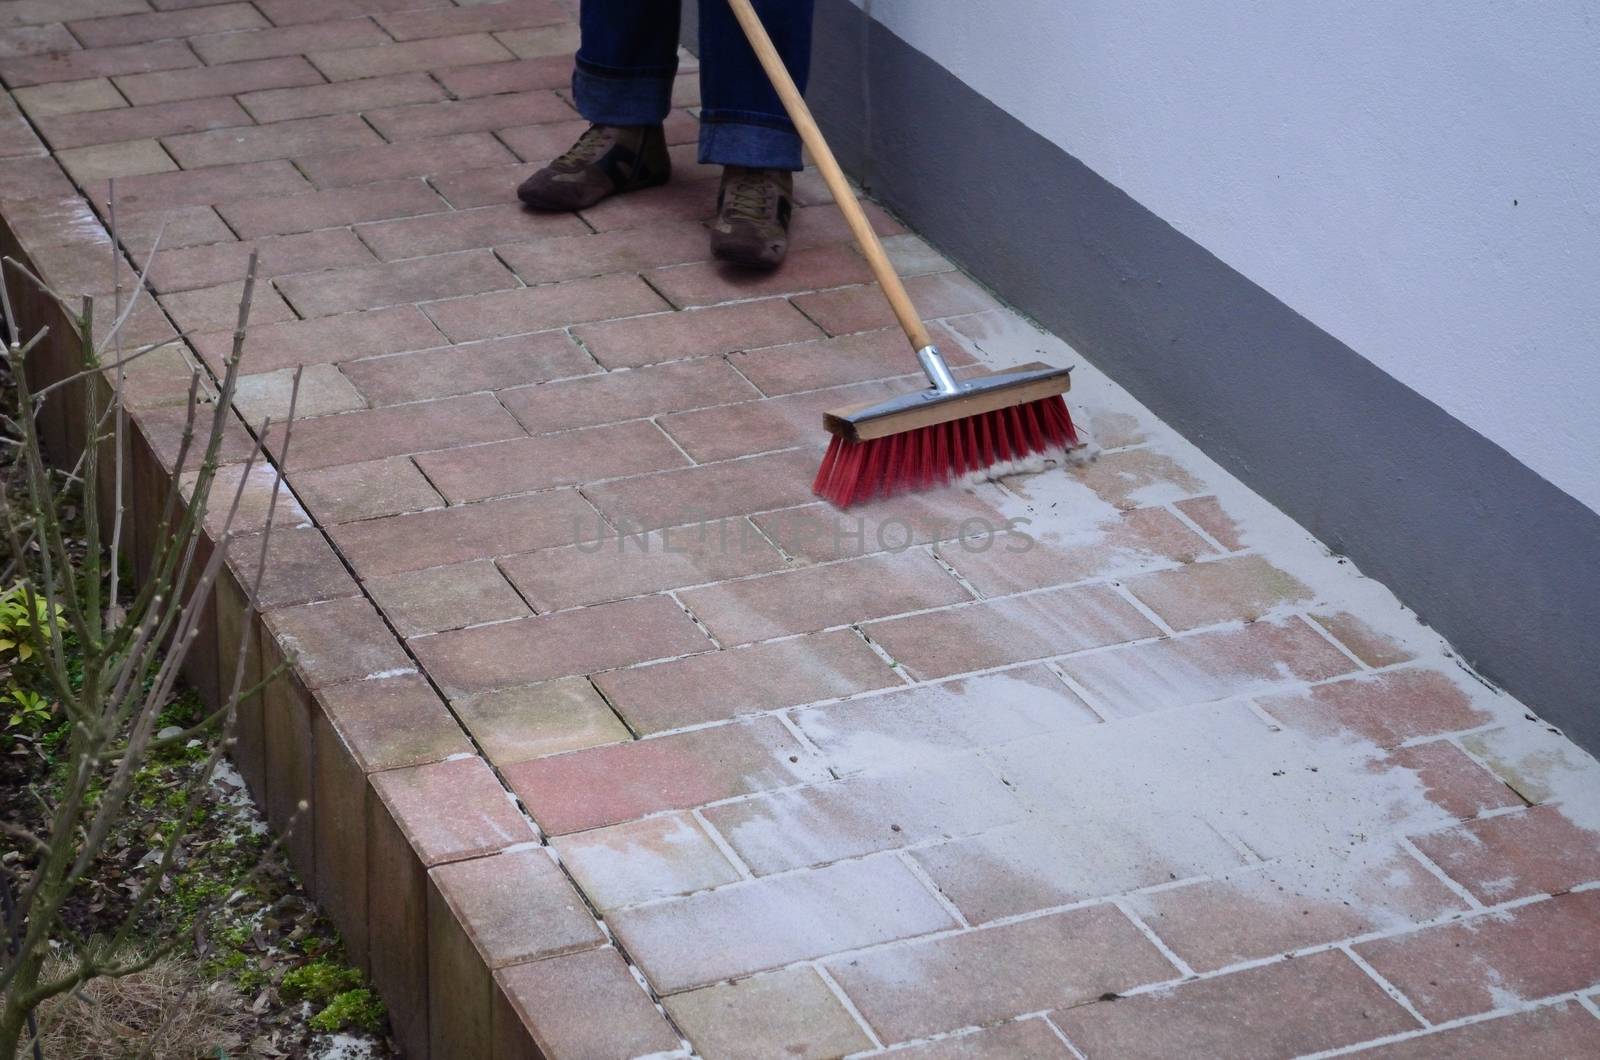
{"x": 622, "y": 97}
{"x": 735, "y": 138}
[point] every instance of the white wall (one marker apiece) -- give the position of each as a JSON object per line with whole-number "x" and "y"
{"x": 1357, "y": 159}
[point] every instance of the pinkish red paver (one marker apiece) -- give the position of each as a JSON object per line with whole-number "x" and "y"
{"x": 617, "y": 742}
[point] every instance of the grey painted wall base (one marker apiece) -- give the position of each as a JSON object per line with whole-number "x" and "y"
{"x": 1497, "y": 559}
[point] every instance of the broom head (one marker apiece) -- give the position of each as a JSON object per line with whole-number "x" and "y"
{"x": 929, "y": 439}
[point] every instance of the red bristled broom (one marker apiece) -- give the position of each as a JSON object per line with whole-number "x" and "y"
{"x": 979, "y": 427}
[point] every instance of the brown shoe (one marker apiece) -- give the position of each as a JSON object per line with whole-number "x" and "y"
{"x": 753, "y": 210}
{"x": 606, "y": 160}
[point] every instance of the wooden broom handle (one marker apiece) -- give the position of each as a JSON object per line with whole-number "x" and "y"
{"x": 800, "y": 114}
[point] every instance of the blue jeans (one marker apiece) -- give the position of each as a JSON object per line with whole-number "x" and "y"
{"x": 629, "y": 54}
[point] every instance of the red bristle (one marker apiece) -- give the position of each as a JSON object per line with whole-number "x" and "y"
{"x": 932, "y": 456}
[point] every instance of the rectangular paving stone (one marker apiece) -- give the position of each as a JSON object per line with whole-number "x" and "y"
{"x": 451, "y": 810}
{"x": 789, "y": 1013}
{"x": 365, "y": 491}
{"x": 520, "y": 75}
{"x": 1133, "y": 477}
{"x": 96, "y": 62}
{"x": 623, "y": 782}
{"x": 709, "y": 492}
{"x": 819, "y": 532}
{"x": 1387, "y": 708}
{"x": 392, "y": 722}
{"x": 849, "y": 310}
{"x": 812, "y": 598}
{"x": 420, "y": 121}
{"x": 1304, "y": 902}
{"x": 331, "y": 208}
{"x": 217, "y": 184}
{"x": 492, "y": 364}
{"x": 1452, "y": 781}
{"x": 544, "y": 141}
{"x": 529, "y": 721}
{"x": 542, "y": 40}
{"x": 164, "y": 25}
{"x": 286, "y": 40}
{"x": 350, "y": 63}
{"x": 34, "y": 177}
{"x": 695, "y": 333}
{"x": 66, "y": 97}
{"x": 710, "y": 282}
{"x": 1283, "y": 1009}
{"x": 300, "y": 568}
{"x": 933, "y": 721}
{"x": 659, "y": 857}
{"x": 863, "y": 814}
{"x": 36, "y": 40}
{"x": 750, "y": 427}
{"x": 595, "y": 254}
{"x": 516, "y": 906}
{"x": 482, "y": 18}
{"x": 1540, "y": 851}
{"x": 736, "y": 930}
{"x": 281, "y": 139}
{"x": 336, "y": 641}
{"x": 553, "y": 305}
{"x": 1365, "y": 643}
{"x": 1034, "y": 557}
{"x": 624, "y": 395}
{"x": 312, "y": 96}
{"x": 395, "y": 283}
{"x": 547, "y": 460}
{"x": 421, "y": 158}
{"x": 440, "y": 598}
{"x": 529, "y": 650}
{"x": 139, "y": 123}
{"x": 186, "y": 268}
{"x": 1562, "y": 1029}
{"x": 1045, "y": 863}
{"x": 259, "y": 77}
{"x": 396, "y": 430}
{"x": 1209, "y": 515}
{"x": 1031, "y": 1038}
{"x": 416, "y": 540}
{"x": 623, "y": 565}
{"x": 1259, "y": 658}
{"x": 726, "y": 684}
{"x": 183, "y": 226}
{"x": 978, "y": 636}
{"x": 272, "y": 347}
{"x": 1203, "y": 594}
{"x": 979, "y": 977}
{"x": 214, "y": 308}
{"x": 358, "y": 728}
{"x": 834, "y": 362}
{"x": 486, "y": 913}
{"x": 461, "y": 229}
{"x": 553, "y": 1003}
{"x": 299, "y": 12}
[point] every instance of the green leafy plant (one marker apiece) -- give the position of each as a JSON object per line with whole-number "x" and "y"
{"x": 21, "y": 616}
{"x": 28, "y": 710}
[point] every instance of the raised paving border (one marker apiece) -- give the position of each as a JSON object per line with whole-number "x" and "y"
{"x": 807, "y": 793}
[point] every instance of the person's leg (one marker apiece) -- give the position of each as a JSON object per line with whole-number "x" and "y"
{"x": 744, "y": 127}
{"x": 626, "y": 60}
{"x": 742, "y": 121}
{"x": 621, "y": 82}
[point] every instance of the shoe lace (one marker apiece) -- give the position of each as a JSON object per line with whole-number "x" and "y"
{"x": 591, "y": 145}
{"x": 748, "y": 197}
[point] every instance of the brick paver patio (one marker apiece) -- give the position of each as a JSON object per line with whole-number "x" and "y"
{"x": 616, "y": 743}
